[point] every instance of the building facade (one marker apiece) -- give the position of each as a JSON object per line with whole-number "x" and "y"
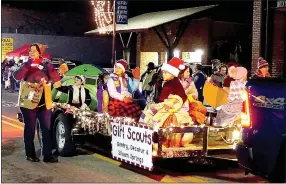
{"x": 212, "y": 39}
{"x": 269, "y": 35}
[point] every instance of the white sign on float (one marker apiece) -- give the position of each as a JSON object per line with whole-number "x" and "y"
{"x": 132, "y": 144}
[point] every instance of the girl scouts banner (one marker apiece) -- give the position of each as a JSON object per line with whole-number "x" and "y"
{"x": 132, "y": 144}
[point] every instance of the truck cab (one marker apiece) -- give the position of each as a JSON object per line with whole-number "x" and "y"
{"x": 262, "y": 149}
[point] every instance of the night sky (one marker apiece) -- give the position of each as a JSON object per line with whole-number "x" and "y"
{"x": 240, "y": 11}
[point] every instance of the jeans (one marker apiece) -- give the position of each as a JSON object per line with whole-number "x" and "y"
{"x": 30, "y": 119}
{"x": 12, "y": 83}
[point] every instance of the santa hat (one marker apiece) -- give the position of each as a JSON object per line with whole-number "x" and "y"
{"x": 240, "y": 73}
{"x": 174, "y": 66}
{"x": 122, "y": 64}
{"x": 261, "y": 62}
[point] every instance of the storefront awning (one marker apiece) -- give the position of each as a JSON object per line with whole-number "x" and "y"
{"x": 149, "y": 20}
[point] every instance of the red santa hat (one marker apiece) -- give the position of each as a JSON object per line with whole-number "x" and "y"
{"x": 122, "y": 64}
{"x": 174, "y": 66}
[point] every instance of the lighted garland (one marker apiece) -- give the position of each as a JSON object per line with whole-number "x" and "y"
{"x": 103, "y": 14}
{"x": 94, "y": 122}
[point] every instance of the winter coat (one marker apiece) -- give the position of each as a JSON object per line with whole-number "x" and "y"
{"x": 34, "y": 91}
{"x": 81, "y": 100}
{"x": 173, "y": 87}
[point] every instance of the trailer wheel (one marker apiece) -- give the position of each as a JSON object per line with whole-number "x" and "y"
{"x": 64, "y": 142}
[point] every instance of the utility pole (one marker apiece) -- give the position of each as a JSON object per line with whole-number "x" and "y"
{"x": 114, "y": 33}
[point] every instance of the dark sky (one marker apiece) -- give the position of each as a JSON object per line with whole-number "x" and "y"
{"x": 235, "y": 10}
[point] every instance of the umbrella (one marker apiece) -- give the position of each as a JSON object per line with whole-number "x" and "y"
{"x": 85, "y": 70}
{"x": 24, "y": 51}
{"x": 101, "y": 69}
{"x": 17, "y": 52}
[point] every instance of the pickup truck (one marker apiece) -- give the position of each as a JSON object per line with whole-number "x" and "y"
{"x": 262, "y": 149}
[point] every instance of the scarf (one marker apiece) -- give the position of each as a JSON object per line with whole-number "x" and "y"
{"x": 36, "y": 62}
{"x": 76, "y": 94}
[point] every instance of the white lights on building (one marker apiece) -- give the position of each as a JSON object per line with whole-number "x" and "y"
{"x": 103, "y": 14}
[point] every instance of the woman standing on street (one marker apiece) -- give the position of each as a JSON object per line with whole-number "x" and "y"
{"x": 35, "y": 101}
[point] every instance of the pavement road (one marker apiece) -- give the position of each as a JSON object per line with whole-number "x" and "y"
{"x": 92, "y": 165}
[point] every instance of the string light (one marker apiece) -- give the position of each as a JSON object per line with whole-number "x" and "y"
{"x": 103, "y": 14}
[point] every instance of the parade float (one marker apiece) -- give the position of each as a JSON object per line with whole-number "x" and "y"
{"x": 137, "y": 143}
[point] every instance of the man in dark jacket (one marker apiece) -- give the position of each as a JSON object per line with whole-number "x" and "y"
{"x": 199, "y": 80}
{"x": 218, "y": 76}
{"x": 146, "y": 79}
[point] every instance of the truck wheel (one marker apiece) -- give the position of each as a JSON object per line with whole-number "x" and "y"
{"x": 63, "y": 137}
{"x": 279, "y": 175}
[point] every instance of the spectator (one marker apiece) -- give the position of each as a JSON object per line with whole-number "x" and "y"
{"x": 218, "y": 76}
{"x": 3, "y": 67}
{"x": 63, "y": 67}
{"x": 199, "y": 80}
{"x": 262, "y": 69}
{"x": 146, "y": 79}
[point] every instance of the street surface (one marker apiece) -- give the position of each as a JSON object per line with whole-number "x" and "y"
{"x": 92, "y": 165}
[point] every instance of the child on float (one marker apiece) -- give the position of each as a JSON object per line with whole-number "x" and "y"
{"x": 188, "y": 83}
{"x": 102, "y": 93}
{"x": 173, "y": 107}
{"x": 78, "y": 95}
{"x": 230, "y": 112}
{"x": 196, "y": 109}
{"x": 120, "y": 88}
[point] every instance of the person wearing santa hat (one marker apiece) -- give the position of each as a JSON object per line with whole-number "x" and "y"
{"x": 172, "y": 107}
{"x": 120, "y": 89}
{"x": 230, "y": 112}
{"x": 172, "y": 85}
{"x": 262, "y": 69}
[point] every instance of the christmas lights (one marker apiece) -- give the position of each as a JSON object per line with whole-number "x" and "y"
{"x": 103, "y": 14}
{"x": 94, "y": 122}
